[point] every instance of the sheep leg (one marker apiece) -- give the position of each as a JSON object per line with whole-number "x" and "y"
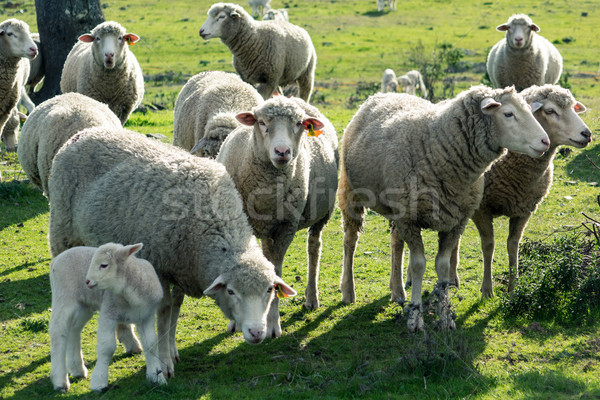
{"x": 266, "y": 90}
{"x": 177, "y": 296}
{"x": 454, "y": 261}
{"x": 314, "y": 245}
{"x": 126, "y": 336}
{"x": 485, "y": 225}
{"x": 105, "y": 348}
{"x": 516, "y": 227}
{"x": 305, "y": 82}
{"x": 75, "y": 364}
{"x": 448, "y": 243}
{"x": 150, "y": 344}
{"x": 163, "y": 326}
{"x": 416, "y": 264}
{"x": 396, "y": 278}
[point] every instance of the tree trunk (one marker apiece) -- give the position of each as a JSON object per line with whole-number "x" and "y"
{"x": 60, "y": 23}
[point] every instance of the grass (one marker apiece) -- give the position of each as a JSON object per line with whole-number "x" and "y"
{"x": 337, "y": 351}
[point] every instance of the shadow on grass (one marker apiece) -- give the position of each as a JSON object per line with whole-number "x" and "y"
{"x": 375, "y": 13}
{"x": 19, "y": 202}
{"x": 24, "y": 297}
{"x": 551, "y": 384}
{"x": 581, "y": 168}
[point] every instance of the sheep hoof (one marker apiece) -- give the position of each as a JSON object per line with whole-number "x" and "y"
{"x": 311, "y": 305}
{"x": 415, "y": 318}
{"x": 487, "y": 293}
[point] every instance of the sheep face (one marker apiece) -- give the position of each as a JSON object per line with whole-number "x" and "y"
{"x": 519, "y": 31}
{"x": 15, "y": 40}
{"x": 109, "y": 41}
{"x": 103, "y": 272}
{"x": 517, "y": 129}
{"x": 222, "y": 19}
{"x": 563, "y": 125}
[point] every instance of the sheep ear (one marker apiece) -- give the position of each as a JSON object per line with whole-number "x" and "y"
{"x": 534, "y": 27}
{"x": 87, "y": 38}
{"x": 283, "y": 289}
{"x": 246, "y": 118}
{"x": 579, "y": 108}
{"x": 132, "y": 249}
{"x": 316, "y": 124}
{"x": 488, "y": 104}
{"x": 131, "y": 38}
{"x": 536, "y": 105}
{"x": 502, "y": 28}
{"x": 217, "y": 285}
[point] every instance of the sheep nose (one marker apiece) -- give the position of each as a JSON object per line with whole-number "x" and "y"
{"x": 87, "y": 282}
{"x": 586, "y": 133}
{"x": 256, "y": 334}
{"x": 33, "y": 50}
{"x": 109, "y": 55}
{"x": 546, "y": 142}
{"x": 282, "y": 151}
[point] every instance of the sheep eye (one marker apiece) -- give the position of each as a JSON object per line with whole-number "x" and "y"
{"x": 230, "y": 292}
{"x": 270, "y": 290}
{"x": 509, "y": 114}
{"x": 9, "y": 34}
{"x": 550, "y": 111}
{"x": 103, "y": 266}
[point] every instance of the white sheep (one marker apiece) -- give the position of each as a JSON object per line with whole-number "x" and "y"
{"x": 421, "y": 166}
{"x": 205, "y": 110}
{"x": 259, "y": 7}
{"x": 267, "y": 53}
{"x": 101, "y": 66}
{"x": 276, "y": 15}
{"x": 523, "y": 58}
{"x": 516, "y": 184}
{"x": 185, "y": 209}
{"x": 287, "y": 181}
{"x": 382, "y": 3}
{"x": 411, "y": 81}
{"x": 389, "y": 82}
{"x": 51, "y": 124}
{"x": 36, "y": 66}
{"x": 124, "y": 288}
{"x": 16, "y": 48}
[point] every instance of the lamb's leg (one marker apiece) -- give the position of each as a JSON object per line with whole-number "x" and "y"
{"x": 75, "y": 364}
{"x": 485, "y": 225}
{"x": 150, "y": 343}
{"x": 178, "y": 296}
{"x": 127, "y": 337}
{"x": 314, "y": 245}
{"x": 516, "y": 227}
{"x": 396, "y": 278}
{"x": 105, "y": 348}
{"x": 163, "y": 326}
{"x": 417, "y": 267}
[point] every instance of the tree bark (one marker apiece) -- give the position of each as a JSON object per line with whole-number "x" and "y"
{"x": 60, "y": 23}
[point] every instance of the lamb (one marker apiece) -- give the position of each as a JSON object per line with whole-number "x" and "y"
{"x": 267, "y": 53}
{"x": 412, "y": 80}
{"x": 516, "y": 184}
{"x": 185, "y": 209}
{"x": 16, "y": 48}
{"x": 390, "y": 3}
{"x": 101, "y": 66}
{"x": 124, "y": 288}
{"x": 523, "y": 58}
{"x": 259, "y": 7}
{"x": 276, "y": 15}
{"x": 51, "y": 124}
{"x": 287, "y": 182}
{"x": 205, "y": 110}
{"x": 421, "y": 166}
{"x": 389, "y": 83}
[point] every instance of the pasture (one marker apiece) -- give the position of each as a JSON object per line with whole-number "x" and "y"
{"x": 336, "y": 351}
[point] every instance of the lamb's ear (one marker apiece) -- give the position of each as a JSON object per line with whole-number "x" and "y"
{"x": 315, "y": 122}
{"x": 246, "y": 118}
{"x": 133, "y": 248}
{"x": 283, "y": 289}
{"x": 131, "y": 38}
{"x": 217, "y": 285}
{"x": 489, "y": 104}
{"x": 534, "y": 27}
{"x": 579, "y": 108}
{"x": 536, "y": 105}
{"x": 502, "y": 28}
{"x": 87, "y": 38}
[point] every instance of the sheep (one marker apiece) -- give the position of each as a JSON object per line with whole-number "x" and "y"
{"x": 101, "y": 66}
{"x": 36, "y": 66}
{"x": 516, "y": 184}
{"x": 287, "y": 182}
{"x": 389, "y": 82}
{"x": 413, "y": 80}
{"x": 16, "y": 48}
{"x": 267, "y": 53}
{"x": 51, "y": 124}
{"x": 390, "y": 3}
{"x": 110, "y": 279}
{"x": 205, "y": 110}
{"x": 259, "y": 7}
{"x": 117, "y": 185}
{"x": 421, "y": 166}
{"x": 523, "y": 58}
{"x": 276, "y": 15}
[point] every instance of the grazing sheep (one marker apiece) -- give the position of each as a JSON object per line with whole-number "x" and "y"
{"x": 276, "y": 15}
{"x": 516, "y": 184}
{"x": 51, "y": 124}
{"x": 523, "y": 58}
{"x": 117, "y": 185}
{"x": 390, "y": 3}
{"x": 124, "y": 288}
{"x": 205, "y": 110}
{"x": 389, "y": 82}
{"x": 259, "y": 7}
{"x": 287, "y": 181}
{"x": 421, "y": 166}
{"x": 413, "y": 80}
{"x": 267, "y": 53}
{"x": 16, "y": 48}
{"x": 101, "y": 66}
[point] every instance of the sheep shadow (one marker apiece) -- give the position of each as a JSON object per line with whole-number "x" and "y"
{"x": 19, "y": 202}
{"x": 580, "y": 166}
{"x": 375, "y": 14}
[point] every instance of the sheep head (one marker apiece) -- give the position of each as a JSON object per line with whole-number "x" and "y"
{"x": 108, "y": 43}
{"x": 519, "y": 31}
{"x": 16, "y": 41}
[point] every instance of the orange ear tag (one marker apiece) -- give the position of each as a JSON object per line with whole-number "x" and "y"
{"x": 129, "y": 41}
{"x": 280, "y": 293}
{"x": 312, "y": 132}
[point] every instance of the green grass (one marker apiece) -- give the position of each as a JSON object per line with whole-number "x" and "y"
{"x": 337, "y": 351}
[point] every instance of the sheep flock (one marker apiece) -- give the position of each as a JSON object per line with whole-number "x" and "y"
{"x": 214, "y": 212}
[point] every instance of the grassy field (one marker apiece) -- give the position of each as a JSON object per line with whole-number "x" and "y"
{"x": 337, "y": 351}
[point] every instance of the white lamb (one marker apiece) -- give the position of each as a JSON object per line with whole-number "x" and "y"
{"x": 421, "y": 166}
{"x": 267, "y": 53}
{"x": 411, "y": 81}
{"x": 16, "y": 48}
{"x": 523, "y": 58}
{"x": 124, "y": 288}
{"x": 101, "y": 66}
{"x": 382, "y": 3}
{"x": 287, "y": 181}
{"x": 205, "y": 110}
{"x": 259, "y": 7}
{"x": 389, "y": 83}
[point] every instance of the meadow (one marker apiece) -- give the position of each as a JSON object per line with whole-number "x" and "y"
{"x": 336, "y": 351}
